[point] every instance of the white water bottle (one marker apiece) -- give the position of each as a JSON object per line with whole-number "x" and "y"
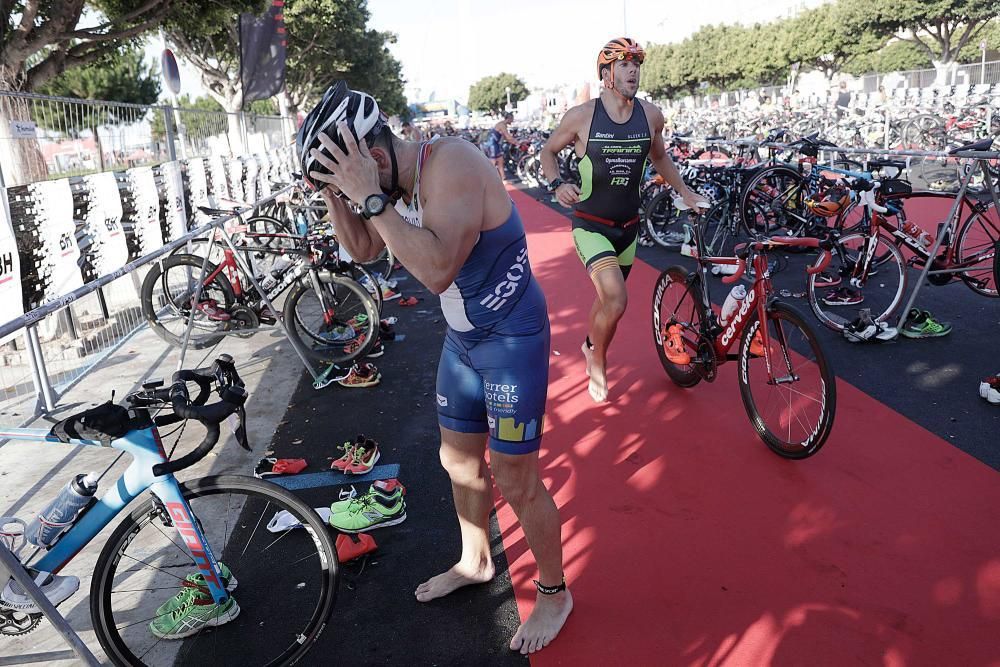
{"x": 736, "y": 296}
{"x": 60, "y": 514}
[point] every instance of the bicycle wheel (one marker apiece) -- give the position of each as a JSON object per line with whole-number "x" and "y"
{"x": 338, "y": 329}
{"x": 365, "y": 278}
{"x": 283, "y": 584}
{"x": 660, "y": 218}
{"x": 166, "y": 296}
{"x": 837, "y": 303}
{"x": 788, "y": 389}
{"x": 383, "y": 263}
{"x": 677, "y": 301}
{"x": 979, "y": 235}
{"x": 772, "y": 201}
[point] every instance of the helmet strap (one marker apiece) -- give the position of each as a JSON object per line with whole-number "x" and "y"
{"x": 611, "y": 86}
{"x": 394, "y": 192}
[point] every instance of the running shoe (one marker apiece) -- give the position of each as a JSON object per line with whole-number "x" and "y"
{"x": 364, "y": 458}
{"x": 389, "y": 295}
{"x": 57, "y": 589}
{"x": 827, "y": 279}
{"x": 989, "y": 389}
{"x": 348, "y": 449}
{"x": 359, "y": 323}
{"x": 843, "y": 296}
{"x": 339, "y": 333}
{"x": 920, "y": 324}
{"x": 673, "y": 346}
{"x": 389, "y": 490}
{"x": 199, "y": 613}
{"x": 194, "y": 584}
{"x": 361, "y": 375}
{"x": 369, "y": 512}
{"x": 377, "y": 351}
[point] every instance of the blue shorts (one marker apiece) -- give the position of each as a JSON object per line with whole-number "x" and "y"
{"x": 496, "y": 386}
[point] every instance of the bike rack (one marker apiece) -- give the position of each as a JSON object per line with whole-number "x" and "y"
{"x": 973, "y": 159}
{"x": 10, "y": 566}
{"x": 320, "y": 379}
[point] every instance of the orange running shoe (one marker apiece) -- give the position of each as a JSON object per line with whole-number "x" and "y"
{"x": 673, "y": 346}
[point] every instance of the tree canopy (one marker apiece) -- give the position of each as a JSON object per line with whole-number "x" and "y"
{"x": 490, "y": 93}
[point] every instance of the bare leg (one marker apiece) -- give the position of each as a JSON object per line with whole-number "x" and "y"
{"x": 612, "y": 298}
{"x": 517, "y": 477}
{"x": 462, "y": 456}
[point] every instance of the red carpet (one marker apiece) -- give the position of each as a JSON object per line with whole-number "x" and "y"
{"x": 687, "y": 542}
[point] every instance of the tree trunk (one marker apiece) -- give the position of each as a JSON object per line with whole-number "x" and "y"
{"x": 21, "y": 159}
{"x": 943, "y": 72}
{"x": 236, "y": 144}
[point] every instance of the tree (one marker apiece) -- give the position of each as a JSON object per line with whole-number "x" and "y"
{"x": 939, "y": 28}
{"x": 827, "y": 37}
{"x": 897, "y": 56}
{"x": 334, "y": 33}
{"x": 40, "y": 39}
{"x": 490, "y": 93}
{"x": 195, "y": 124}
{"x": 327, "y": 40}
{"x": 122, "y": 76}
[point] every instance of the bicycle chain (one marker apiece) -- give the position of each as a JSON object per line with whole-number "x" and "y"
{"x": 13, "y": 623}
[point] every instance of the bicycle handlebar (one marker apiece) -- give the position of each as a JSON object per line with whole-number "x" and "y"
{"x": 232, "y": 394}
{"x": 743, "y": 250}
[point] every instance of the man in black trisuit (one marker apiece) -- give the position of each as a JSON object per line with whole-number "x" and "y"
{"x": 613, "y": 136}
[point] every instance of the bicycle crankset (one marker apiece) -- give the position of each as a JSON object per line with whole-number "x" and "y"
{"x": 14, "y": 623}
{"x": 243, "y": 321}
{"x": 707, "y": 364}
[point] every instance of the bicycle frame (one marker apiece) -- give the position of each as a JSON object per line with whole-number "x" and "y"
{"x": 146, "y": 450}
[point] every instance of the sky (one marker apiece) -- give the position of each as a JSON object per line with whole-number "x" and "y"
{"x": 447, "y": 45}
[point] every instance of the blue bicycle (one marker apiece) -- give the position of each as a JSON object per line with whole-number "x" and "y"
{"x": 194, "y": 574}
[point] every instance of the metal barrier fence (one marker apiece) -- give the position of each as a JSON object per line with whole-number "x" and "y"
{"x": 44, "y": 137}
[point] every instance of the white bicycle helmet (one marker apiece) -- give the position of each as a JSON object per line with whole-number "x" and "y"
{"x": 363, "y": 117}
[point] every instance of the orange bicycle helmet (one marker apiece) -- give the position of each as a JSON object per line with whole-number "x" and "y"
{"x": 831, "y": 203}
{"x": 622, "y": 48}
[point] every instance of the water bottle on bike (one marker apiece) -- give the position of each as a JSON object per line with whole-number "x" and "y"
{"x": 732, "y": 303}
{"x": 62, "y": 512}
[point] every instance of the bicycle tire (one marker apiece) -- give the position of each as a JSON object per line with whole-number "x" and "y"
{"x": 682, "y": 375}
{"x": 962, "y": 252}
{"x": 153, "y": 314}
{"x": 105, "y": 569}
{"x": 827, "y": 315}
{"x": 660, "y": 217}
{"x": 753, "y": 200}
{"x": 815, "y": 438}
{"x": 313, "y": 343}
{"x": 356, "y": 267}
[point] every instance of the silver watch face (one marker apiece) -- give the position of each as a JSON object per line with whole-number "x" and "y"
{"x": 374, "y": 204}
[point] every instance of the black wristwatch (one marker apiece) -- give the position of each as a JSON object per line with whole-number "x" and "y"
{"x": 555, "y": 183}
{"x": 374, "y": 205}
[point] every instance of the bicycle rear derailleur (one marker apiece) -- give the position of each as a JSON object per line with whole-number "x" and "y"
{"x": 14, "y": 623}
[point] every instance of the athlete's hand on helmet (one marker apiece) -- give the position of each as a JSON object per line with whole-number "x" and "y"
{"x": 694, "y": 201}
{"x": 354, "y": 173}
{"x": 567, "y": 194}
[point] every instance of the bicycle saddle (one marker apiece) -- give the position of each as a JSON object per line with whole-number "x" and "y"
{"x": 981, "y": 145}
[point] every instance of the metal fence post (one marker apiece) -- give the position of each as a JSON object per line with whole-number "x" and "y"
{"x": 168, "y": 122}
{"x": 46, "y": 395}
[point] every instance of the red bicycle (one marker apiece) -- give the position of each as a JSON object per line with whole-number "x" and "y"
{"x": 786, "y": 383}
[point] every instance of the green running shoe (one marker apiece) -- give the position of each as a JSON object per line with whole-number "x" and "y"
{"x": 199, "y": 613}
{"x": 388, "y": 492}
{"x": 920, "y": 324}
{"x": 187, "y": 592}
{"x": 369, "y": 512}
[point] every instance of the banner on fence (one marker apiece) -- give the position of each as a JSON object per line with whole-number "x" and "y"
{"x": 59, "y": 254}
{"x": 104, "y": 223}
{"x": 146, "y": 218}
{"x": 11, "y": 299}
{"x": 174, "y": 218}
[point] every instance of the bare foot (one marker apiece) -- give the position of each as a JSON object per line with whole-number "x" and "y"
{"x": 588, "y": 354}
{"x": 545, "y": 622}
{"x": 598, "y": 386}
{"x": 459, "y": 575}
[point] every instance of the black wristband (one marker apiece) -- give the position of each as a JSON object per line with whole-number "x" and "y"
{"x": 556, "y": 182}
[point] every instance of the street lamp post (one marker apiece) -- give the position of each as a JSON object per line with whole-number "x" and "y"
{"x": 982, "y": 68}
{"x": 508, "y": 98}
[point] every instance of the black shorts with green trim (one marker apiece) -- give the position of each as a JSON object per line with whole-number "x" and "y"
{"x": 603, "y": 246}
